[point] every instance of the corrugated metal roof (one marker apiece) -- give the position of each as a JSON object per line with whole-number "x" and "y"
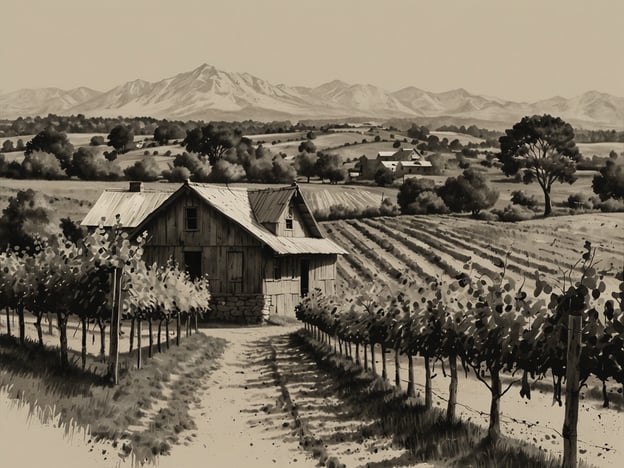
{"x": 269, "y": 204}
{"x": 132, "y": 208}
{"x": 235, "y": 204}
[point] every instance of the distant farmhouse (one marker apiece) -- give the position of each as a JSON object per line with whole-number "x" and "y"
{"x": 261, "y": 250}
{"x": 403, "y": 163}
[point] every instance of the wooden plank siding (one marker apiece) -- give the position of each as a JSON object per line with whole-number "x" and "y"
{"x": 216, "y": 237}
{"x": 298, "y": 230}
{"x": 285, "y": 290}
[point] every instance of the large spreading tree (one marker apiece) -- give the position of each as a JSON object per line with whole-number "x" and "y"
{"x": 121, "y": 138}
{"x": 51, "y": 141}
{"x": 212, "y": 142}
{"x": 542, "y": 149}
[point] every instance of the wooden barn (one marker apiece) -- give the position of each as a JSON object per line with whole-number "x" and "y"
{"x": 261, "y": 250}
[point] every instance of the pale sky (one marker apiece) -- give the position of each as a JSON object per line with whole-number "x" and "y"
{"x": 520, "y": 50}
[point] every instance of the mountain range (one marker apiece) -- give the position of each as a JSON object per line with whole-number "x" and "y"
{"x": 207, "y": 93}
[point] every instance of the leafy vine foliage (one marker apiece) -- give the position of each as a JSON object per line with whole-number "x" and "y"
{"x": 489, "y": 323}
{"x": 63, "y": 279}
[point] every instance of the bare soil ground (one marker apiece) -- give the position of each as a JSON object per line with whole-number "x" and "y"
{"x": 268, "y": 404}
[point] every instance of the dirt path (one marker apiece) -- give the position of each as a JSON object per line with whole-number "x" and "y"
{"x": 268, "y": 405}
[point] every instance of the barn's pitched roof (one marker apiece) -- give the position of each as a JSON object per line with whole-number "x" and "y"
{"x": 132, "y": 208}
{"x": 234, "y": 203}
{"x": 269, "y": 204}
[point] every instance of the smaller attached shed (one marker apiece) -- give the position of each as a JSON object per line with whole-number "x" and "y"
{"x": 261, "y": 250}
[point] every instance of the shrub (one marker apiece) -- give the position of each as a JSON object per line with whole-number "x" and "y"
{"x": 97, "y": 140}
{"x": 513, "y": 213}
{"x": 177, "y": 174}
{"x": 487, "y": 216}
{"x": 611, "y": 205}
{"x": 225, "y": 171}
{"x": 88, "y": 164}
{"x": 39, "y": 164}
{"x": 437, "y": 163}
{"x": 411, "y": 188}
{"x": 396, "y": 144}
{"x": 307, "y": 146}
{"x": 519, "y": 197}
{"x": 110, "y": 155}
{"x": 610, "y": 182}
{"x": 146, "y": 170}
{"x": 580, "y": 201}
{"x": 282, "y": 171}
{"x": 389, "y": 208}
{"x": 53, "y": 142}
{"x": 427, "y": 203}
{"x": 384, "y": 176}
{"x": 146, "y": 153}
{"x": 26, "y": 217}
{"x": 468, "y": 192}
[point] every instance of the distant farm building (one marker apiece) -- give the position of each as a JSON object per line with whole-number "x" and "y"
{"x": 404, "y": 162}
{"x": 261, "y": 250}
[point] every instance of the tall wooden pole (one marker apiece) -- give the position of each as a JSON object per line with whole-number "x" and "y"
{"x": 113, "y": 355}
{"x": 572, "y": 392}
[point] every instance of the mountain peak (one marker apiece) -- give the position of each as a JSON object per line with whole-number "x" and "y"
{"x": 209, "y": 93}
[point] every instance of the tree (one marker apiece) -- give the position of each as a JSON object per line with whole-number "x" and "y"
{"x": 307, "y": 146}
{"x": 417, "y": 132}
{"x": 121, "y": 138}
{"x": 225, "y": 171}
{"x": 168, "y": 131}
{"x": 97, "y": 140}
{"x": 396, "y": 144}
{"x": 89, "y": 164}
{"x": 610, "y": 182}
{"x": 305, "y": 164}
{"x": 26, "y": 218}
{"x": 468, "y": 192}
{"x": 42, "y": 165}
{"x": 384, "y": 176}
{"x": 211, "y": 141}
{"x": 613, "y": 155}
{"x": 437, "y": 163}
{"x": 7, "y": 146}
{"x": 19, "y": 145}
{"x": 145, "y": 170}
{"x": 411, "y": 188}
{"x": 542, "y": 149}
{"x": 310, "y": 135}
{"x": 53, "y": 142}
{"x": 329, "y": 166}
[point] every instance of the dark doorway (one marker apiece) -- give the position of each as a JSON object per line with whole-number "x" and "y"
{"x": 193, "y": 263}
{"x": 305, "y": 277}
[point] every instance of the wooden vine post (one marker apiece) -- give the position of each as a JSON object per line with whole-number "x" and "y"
{"x": 113, "y": 357}
{"x": 572, "y": 391}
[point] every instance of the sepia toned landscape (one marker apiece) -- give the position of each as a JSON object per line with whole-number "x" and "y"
{"x": 337, "y": 234}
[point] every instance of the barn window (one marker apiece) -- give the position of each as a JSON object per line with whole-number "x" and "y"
{"x": 289, "y": 220}
{"x": 191, "y": 218}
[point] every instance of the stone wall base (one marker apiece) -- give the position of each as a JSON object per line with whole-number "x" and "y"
{"x": 240, "y": 308}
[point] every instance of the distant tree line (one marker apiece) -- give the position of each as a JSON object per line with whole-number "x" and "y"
{"x": 139, "y": 125}
{"x": 599, "y": 136}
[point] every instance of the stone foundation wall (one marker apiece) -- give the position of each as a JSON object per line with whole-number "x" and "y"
{"x": 240, "y": 308}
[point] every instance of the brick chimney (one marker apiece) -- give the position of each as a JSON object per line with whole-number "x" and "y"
{"x": 136, "y": 186}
